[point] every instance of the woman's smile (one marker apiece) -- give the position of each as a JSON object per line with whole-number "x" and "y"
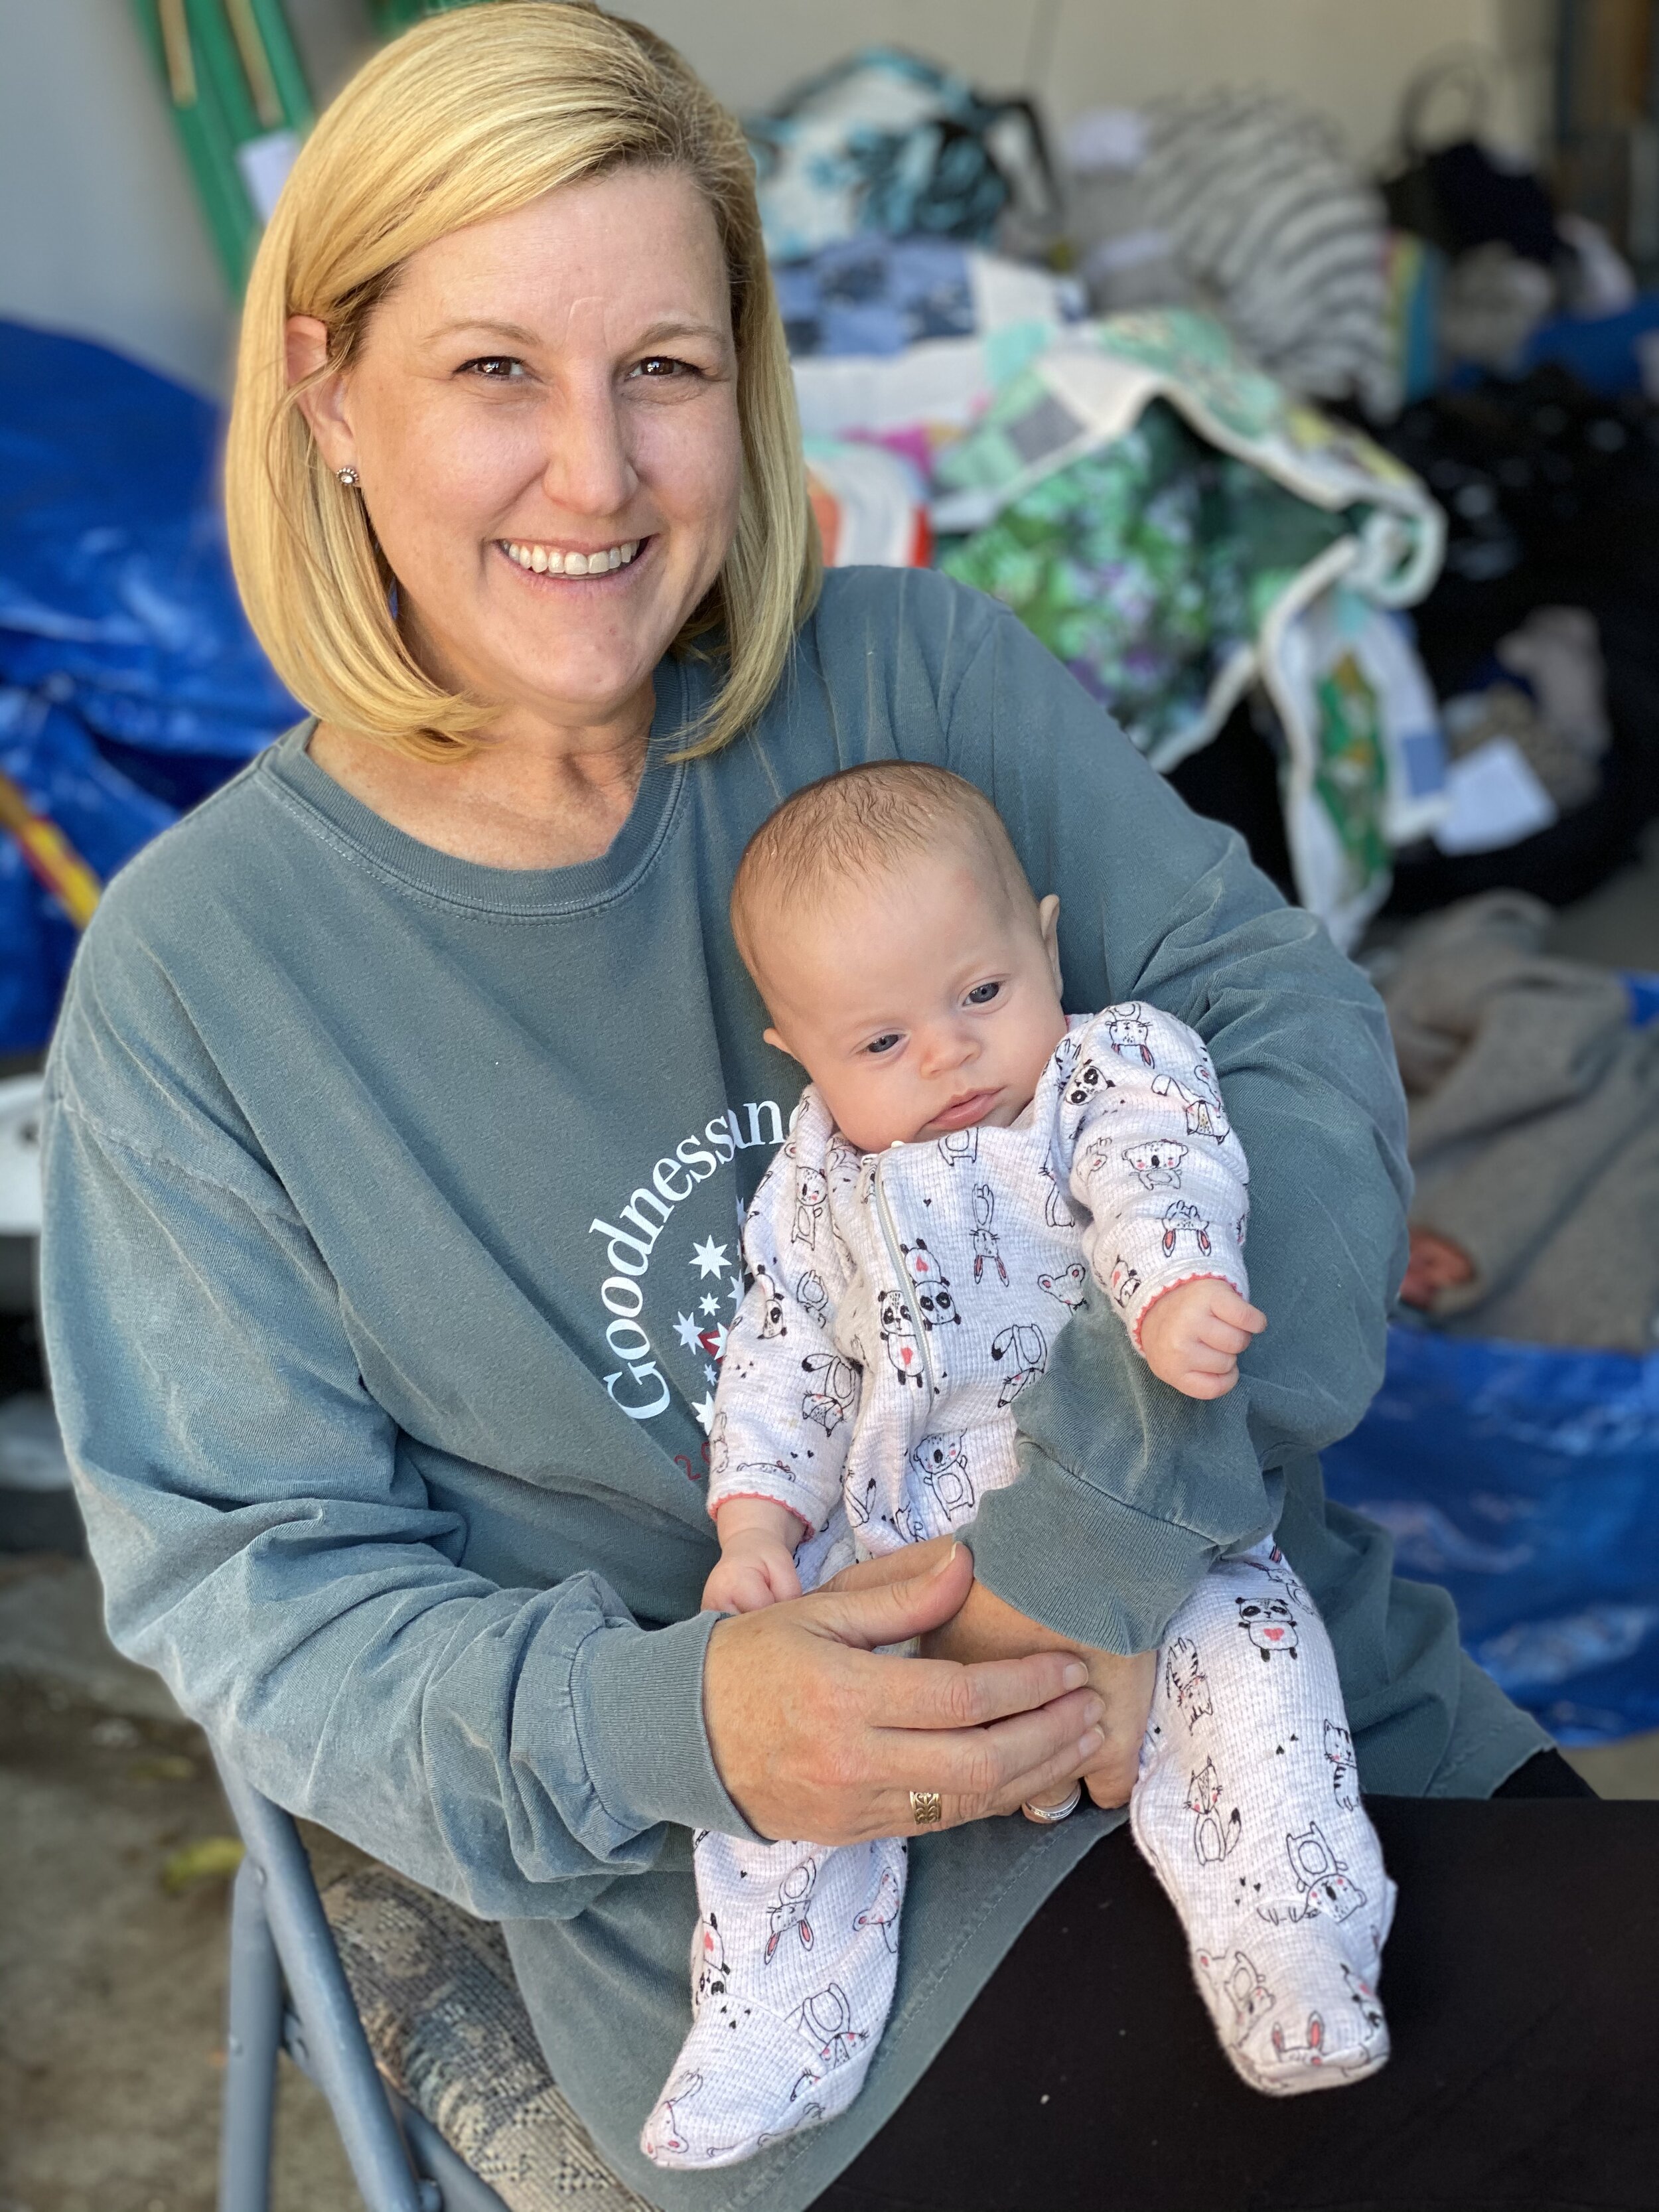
{"x": 592, "y": 564}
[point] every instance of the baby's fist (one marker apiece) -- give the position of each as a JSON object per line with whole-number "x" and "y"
{"x": 755, "y": 1569}
{"x": 1192, "y": 1335}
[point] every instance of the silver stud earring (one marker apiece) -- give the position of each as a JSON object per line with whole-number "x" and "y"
{"x": 349, "y": 478}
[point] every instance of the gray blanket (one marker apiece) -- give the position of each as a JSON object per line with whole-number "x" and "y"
{"x": 1535, "y": 1132}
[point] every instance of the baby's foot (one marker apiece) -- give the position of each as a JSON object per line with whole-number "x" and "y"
{"x": 793, "y": 1974}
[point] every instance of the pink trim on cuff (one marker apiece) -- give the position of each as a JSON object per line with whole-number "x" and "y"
{"x": 762, "y": 1498}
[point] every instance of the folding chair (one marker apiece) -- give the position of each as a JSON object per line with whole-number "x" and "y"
{"x": 290, "y": 1990}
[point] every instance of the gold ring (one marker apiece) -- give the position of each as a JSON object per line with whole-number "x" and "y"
{"x": 924, "y": 1809}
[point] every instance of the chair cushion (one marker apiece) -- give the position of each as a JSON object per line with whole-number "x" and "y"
{"x": 450, "y": 2033}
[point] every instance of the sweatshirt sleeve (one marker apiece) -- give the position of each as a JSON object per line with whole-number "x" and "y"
{"x": 1130, "y": 1491}
{"x": 267, "y": 1545}
{"x": 787, "y": 1401}
{"x": 1154, "y": 1163}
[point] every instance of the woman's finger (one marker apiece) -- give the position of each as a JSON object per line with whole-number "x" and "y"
{"x": 939, "y": 1694}
{"x": 981, "y": 1762}
{"x": 894, "y": 1813}
{"x": 872, "y": 1615}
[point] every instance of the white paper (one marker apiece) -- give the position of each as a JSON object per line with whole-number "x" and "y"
{"x": 1495, "y": 800}
{"x": 265, "y": 164}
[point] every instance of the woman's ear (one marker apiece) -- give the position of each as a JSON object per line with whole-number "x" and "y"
{"x": 305, "y": 346}
{"x": 1048, "y": 922}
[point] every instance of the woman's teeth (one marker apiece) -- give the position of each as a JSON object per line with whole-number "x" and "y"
{"x": 549, "y": 561}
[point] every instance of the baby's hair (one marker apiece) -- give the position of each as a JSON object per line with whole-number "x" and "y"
{"x": 857, "y": 826}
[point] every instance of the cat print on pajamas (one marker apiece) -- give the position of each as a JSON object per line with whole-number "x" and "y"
{"x": 1069, "y": 1284}
{"x": 832, "y": 1394}
{"x": 1321, "y": 1877}
{"x": 790, "y": 1907}
{"x": 942, "y": 1464}
{"x": 1125, "y": 1280}
{"x": 1270, "y": 1626}
{"x": 1128, "y": 1033}
{"x": 959, "y": 1147}
{"x": 884, "y": 1912}
{"x": 1338, "y": 1750}
{"x": 1056, "y": 1207}
{"x": 1213, "y": 1837}
{"x": 1025, "y": 1348}
{"x": 1241, "y": 1985}
{"x": 1187, "y": 1689}
{"x": 1181, "y": 1219}
{"x": 987, "y": 1246}
{"x": 1202, "y": 1108}
{"x": 826, "y": 2020}
{"x": 1157, "y": 1163}
{"x": 811, "y": 1196}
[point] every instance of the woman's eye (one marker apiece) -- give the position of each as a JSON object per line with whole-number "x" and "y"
{"x": 879, "y": 1045}
{"x": 661, "y": 366}
{"x": 500, "y": 368}
{"x": 983, "y": 993}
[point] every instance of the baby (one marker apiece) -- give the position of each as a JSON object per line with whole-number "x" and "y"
{"x": 966, "y": 1170}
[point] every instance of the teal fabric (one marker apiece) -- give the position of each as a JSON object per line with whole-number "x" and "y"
{"x": 392, "y": 1211}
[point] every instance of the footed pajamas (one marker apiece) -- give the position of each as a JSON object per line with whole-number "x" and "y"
{"x": 899, "y": 1303}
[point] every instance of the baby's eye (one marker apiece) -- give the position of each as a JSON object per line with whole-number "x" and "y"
{"x": 983, "y": 993}
{"x": 883, "y": 1043}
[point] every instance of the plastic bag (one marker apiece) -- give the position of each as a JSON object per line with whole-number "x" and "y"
{"x": 1526, "y": 1480}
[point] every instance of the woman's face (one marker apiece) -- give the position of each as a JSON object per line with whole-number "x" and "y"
{"x": 544, "y": 417}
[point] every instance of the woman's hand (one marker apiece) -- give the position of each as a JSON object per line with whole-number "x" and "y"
{"x": 988, "y": 1629}
{"x": 815, "y": 1734}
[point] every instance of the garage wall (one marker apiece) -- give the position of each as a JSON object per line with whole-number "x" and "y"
{"x": 100, "y": 232}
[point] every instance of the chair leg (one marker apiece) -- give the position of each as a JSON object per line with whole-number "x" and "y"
{"x": 251, "y": 2049}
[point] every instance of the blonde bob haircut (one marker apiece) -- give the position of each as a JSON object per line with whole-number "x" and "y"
{"x": 470, "y": 115}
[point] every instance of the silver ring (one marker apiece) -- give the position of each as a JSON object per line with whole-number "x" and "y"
{"x": 1047, "y": 1815}
{"x": 924, "y": 1809}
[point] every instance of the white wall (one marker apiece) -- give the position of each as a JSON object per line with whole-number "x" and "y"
{"x": 100, "y": 231}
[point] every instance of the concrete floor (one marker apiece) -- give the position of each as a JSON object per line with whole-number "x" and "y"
{"x": 110, "y": 2031}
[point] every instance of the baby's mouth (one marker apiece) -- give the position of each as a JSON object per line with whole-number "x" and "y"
{"x": 970, "y": 1107}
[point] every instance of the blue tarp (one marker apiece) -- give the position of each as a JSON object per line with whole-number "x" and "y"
{"x": 1526, "y": 1480}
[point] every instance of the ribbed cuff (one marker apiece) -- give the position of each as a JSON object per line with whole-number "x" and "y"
{"x": 638, "y": 1698}
{"x": 1082, "y": 1563}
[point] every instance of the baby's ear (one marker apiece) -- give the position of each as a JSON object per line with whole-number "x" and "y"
{"x": 777, "y": 1044}
{"x": 1048, "y": 923}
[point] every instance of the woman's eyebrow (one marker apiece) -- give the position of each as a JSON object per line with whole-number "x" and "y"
{"x": 670, "y": 327}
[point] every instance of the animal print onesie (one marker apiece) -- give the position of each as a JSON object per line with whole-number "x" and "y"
{"x": 900, "y": 1303}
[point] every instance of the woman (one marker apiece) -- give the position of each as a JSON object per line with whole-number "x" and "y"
{"x": 404, "y": 1104}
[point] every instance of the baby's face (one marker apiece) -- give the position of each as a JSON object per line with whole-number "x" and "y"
{"x": 924, "y": 1002}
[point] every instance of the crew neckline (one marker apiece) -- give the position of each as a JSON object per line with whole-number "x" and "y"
{"x": 473, "y": 883}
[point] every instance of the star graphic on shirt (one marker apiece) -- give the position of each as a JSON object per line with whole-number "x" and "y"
{"x": 736, "y": 1291}
{"x": 685, "y": 1328}
{"x": 709, "y": 1306}
{"x": 708, "y": 1258}
{"x": 710, "y": 1375}
{"x": 716, "y": 1341}
{"x": 704, "y": 1412}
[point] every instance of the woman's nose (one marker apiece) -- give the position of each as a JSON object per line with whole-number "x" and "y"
{"x": 588, "y": 469}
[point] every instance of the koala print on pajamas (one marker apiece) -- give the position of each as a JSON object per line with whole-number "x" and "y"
{"x": 1270, "y": 1625}
{"x": 1129, "y": 1033}
{"x": 1338, "y": 1750}
{"x": 942, "y": 1464}
{"x": 1157, "y": 1163}
{"x": 1026, "y": 1350}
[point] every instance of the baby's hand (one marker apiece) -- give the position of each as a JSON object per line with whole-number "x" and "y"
{"x": 757, "y": 1557}
{"x": 1192, "y": 1336}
